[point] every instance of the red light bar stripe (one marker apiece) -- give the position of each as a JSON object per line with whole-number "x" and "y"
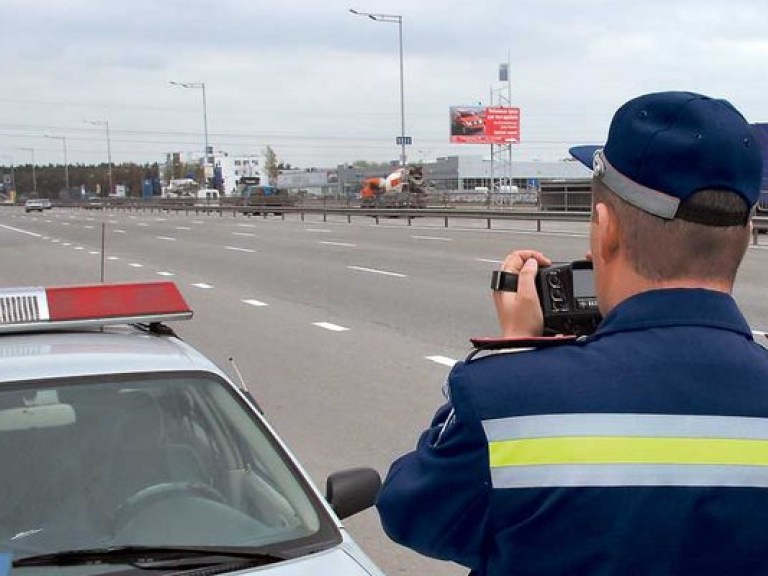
{"x": 114, "y": 300}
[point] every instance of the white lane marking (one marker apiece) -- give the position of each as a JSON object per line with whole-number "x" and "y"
{"x": 323, "y": 230}
{"x": 329, "y": 326}
{"x": 183, "y": 228}
{"x": 66, "y": 244}
{"x": 168, "y": 238}
{"x": 12, "y": 229}
{"x": 136, "y": 265}
{"x": 113, "y": 258}
{"x": 374, "y": 271}
{"x": 164, "y": 273}
{"x": 247, "y": 225}
{"x": 118, "y": 231}
{"x": 113, "y": 221}
{"x": 197, "y": 222}
{"x": 243, "y": 234}
{"x": 160, "y": 219}
{"x": 65, "y": 223}
{"x": 489, "y": 261}
{"x": 94, "y": 252}
{"x": 339, "y": 244}
{"x": 79, "y": 248}
{"x": 88, "y": 227}
{"x": 202, "y": 285}
{"x": 142, "y": 224}
{"x": 46, "y": 238}
{"x": 442, "y": 360}
{"x": 237, "y": 249}
{"x": 55, "y": 240}
{"x": 255, "y": 303}
{"x": 431, "y": 238}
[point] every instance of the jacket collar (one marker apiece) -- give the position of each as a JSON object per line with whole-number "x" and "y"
{"x": 675, "y": 307}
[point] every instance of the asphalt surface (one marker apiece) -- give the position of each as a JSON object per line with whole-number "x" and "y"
{"x": 344, "y": 332}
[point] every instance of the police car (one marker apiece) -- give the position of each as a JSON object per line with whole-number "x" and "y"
{"x": 124, "y": 450}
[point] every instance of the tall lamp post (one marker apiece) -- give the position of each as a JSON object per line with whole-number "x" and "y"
{"x": 200, "y": 85}
{"x": 105, "y": 123}
{"x": 34, "y": 178}
{"x": 66, "y": 164}
{"x": 394, "y": 19}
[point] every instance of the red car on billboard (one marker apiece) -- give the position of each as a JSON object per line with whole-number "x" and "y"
{"x": 465, "y": 122}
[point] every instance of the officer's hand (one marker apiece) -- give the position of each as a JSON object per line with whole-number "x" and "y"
{"x": 519, "y": 312}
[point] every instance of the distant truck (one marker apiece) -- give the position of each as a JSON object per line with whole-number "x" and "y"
{"x": 268, "y": 197}
{"x": 403, "y": 188}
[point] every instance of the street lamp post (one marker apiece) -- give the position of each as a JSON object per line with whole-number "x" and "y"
{"x": 200, "y": 85}
{"x": 105, "y": 123}
{"x": 34, "y": 178}
{"x": 66, "y": 164}
{"x": 394, "y": 19}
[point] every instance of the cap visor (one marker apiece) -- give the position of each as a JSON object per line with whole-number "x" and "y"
{"x": 585, "y": 154}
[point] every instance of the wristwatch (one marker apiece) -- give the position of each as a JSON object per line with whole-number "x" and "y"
{"x": 503, "y": 281}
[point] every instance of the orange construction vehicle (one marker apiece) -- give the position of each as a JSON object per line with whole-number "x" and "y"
{"x": 403, "y": 188}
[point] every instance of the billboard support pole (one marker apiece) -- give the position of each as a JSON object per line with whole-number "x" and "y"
{"x": 490, "y": 186}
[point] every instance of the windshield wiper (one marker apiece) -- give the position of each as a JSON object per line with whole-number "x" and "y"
{"x": 152, "y": 557}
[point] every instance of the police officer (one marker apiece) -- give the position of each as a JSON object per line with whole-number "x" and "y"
{"x": 643, "y": 449}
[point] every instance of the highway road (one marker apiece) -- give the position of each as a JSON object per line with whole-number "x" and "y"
{"x": 344, "y": 332}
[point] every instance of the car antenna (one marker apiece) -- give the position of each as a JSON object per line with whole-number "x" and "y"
{"x": 239, "y": 375}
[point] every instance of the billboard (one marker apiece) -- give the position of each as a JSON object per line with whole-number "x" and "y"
{"x": 484, "y": 125}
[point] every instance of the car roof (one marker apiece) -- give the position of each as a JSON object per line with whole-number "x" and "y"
{"x": 114, "y": 350}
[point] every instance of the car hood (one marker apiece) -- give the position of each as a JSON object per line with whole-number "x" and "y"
{"x": 345, "y": 560}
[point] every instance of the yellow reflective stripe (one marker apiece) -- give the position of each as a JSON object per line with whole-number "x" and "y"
{"x": 628, "y": 450}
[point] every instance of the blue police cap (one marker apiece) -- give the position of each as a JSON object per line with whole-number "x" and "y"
{"x": 664, "y": 147}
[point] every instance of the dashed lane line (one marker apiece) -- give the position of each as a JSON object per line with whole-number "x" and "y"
{"x": 442, "y": 360}
{"x": 374, "y": 271}
{"x": 320, "y": 230}
{"x": 238, "y": 249}
{"x": 489, "y": 261}
{"x": 202, "y": 285}
{"x": 438, "y": 238}
{"x": 249, "y": 234}
{"x": 165, "y": 273}
{"x": 329, "y": 326}
{"x": 166, "y": 238}
{"x": 347, "y": 244}
{"x": 136, "y": 265}
{"x": 255, "y": 303}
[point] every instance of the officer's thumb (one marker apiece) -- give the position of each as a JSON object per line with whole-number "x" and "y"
{"x": 526, "y": 284}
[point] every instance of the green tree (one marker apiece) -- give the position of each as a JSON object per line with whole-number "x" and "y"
{"x": 271, "y": 166}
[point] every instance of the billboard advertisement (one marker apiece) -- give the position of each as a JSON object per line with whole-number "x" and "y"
{"x": 484, "y": 124}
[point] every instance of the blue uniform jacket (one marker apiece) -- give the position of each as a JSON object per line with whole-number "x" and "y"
{"x": 640, "y": 451}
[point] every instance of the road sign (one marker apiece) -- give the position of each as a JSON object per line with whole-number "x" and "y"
{"x": 400, "y": 140}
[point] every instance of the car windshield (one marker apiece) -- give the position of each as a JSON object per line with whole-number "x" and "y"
{"x": 178, "y": 460}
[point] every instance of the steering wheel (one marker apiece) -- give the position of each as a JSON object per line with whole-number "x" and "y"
{"x": 157, "y": 492}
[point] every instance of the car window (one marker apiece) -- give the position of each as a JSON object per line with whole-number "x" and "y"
{"x": 172, "y": 461}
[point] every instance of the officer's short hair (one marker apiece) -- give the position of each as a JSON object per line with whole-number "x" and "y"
{"x": 660, "y": 249}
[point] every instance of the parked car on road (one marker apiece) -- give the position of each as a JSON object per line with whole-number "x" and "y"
{"x": 125, "y": 450}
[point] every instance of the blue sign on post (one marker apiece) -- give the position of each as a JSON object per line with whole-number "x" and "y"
{"x": 5, "y": 563}
{"x": 400, "y": 140}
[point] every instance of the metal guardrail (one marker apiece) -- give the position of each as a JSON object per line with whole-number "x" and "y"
{"x": 759, "y": 223}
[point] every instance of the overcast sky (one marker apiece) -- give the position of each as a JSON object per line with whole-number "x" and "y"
{"x": 321, "y": 85}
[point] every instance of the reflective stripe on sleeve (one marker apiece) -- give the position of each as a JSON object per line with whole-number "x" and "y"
{"x": 627, "y": 450}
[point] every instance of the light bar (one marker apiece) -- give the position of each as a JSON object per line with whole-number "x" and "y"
{"x": 32, "y": 309}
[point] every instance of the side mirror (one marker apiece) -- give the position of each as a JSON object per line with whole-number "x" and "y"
{"x": 352, "y": 491}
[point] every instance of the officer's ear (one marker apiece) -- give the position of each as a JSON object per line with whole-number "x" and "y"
{"x": 607, "y": 231}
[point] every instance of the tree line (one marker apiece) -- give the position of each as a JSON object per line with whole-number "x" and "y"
{"x": 84, "y": 179}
